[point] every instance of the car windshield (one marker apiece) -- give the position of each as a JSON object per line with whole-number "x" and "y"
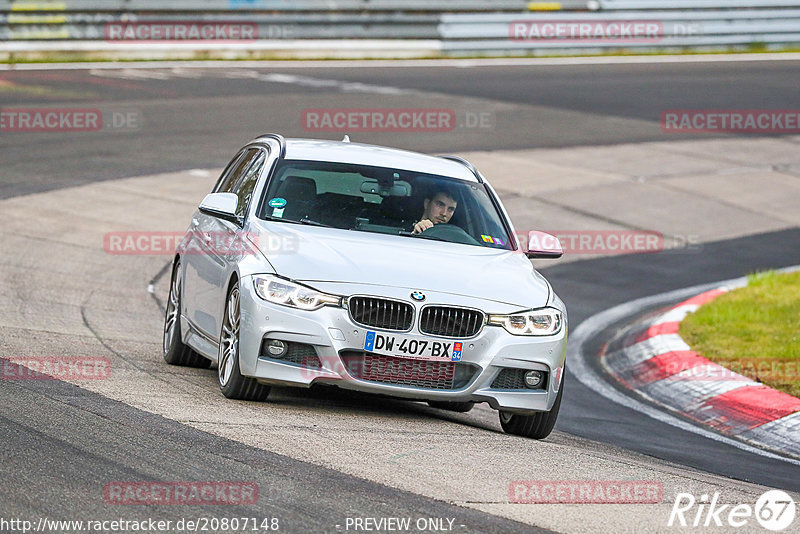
{"x": 383, "y": 200}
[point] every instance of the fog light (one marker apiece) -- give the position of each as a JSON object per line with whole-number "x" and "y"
{"x": 276, "y": 348}
{"x": 533, "y": 379}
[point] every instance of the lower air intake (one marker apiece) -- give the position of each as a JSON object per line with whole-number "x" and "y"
{"x": 427, "y": 374}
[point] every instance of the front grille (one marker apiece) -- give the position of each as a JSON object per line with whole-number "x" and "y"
{"x": 513, "y": 379}
{"x": 407, "y": 372}
{"x": 450, "y": 322}
{"x": 300, "y": 354}
{"x": 381, "y": 313}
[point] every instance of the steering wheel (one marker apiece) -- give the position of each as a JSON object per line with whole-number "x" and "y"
{"x": 449, "y": 232}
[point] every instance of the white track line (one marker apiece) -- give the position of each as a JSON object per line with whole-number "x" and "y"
{"x": 576, "y": 358}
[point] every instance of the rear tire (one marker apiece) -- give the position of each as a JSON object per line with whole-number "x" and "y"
{"x": 231, "y": 381}
{"x": 462, "y": 407}
{"x": 536, "y": 426}
{"x": 175, "y": 351}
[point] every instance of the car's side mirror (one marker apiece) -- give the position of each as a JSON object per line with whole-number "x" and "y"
{"x": 222, "y": 205}
{"x": 543, "y": 245}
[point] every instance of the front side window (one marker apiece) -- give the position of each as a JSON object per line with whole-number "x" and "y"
{"x": 244, "y": 186}
{"x": 235, "y": 170}
{"x": 383, "y": 200}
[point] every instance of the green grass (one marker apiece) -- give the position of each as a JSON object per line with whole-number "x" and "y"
{"x": 81, "y": 57}
{"x": 754, "y": 331}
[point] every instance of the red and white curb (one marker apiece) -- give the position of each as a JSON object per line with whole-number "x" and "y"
{"x": 656, "y": 363}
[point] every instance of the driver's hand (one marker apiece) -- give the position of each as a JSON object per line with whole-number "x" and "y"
{"x": 423, "y": 225}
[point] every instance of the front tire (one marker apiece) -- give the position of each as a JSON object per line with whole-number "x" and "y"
{"x": 536, "y": 426}
{"x": 175, "y": 351}
{"x": 231, "y": 381}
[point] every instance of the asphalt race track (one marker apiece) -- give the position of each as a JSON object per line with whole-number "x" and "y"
{"x": 191, "y": 118}
{"x": 320, "y": 457}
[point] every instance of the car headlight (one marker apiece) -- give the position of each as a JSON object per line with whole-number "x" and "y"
{"x": 541, "y": 322}
{"x": 280, "y": 291}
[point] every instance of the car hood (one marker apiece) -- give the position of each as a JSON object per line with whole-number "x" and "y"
{"x": 309, "y": 254}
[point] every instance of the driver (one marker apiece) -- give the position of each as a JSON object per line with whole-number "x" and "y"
{"x": 439, "y": 208}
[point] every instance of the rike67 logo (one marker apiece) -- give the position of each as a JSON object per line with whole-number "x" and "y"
{"x": 774, "y": 510}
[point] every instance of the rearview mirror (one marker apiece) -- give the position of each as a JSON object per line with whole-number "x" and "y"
{"x": 220, "y": 205}
{"x": 398, "y": 189}
{"x": 543, "y": 245}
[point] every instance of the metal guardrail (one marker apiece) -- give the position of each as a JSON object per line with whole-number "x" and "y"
{"x": 631, "y": 5}
{"x": 282, "y": 26}
{"x": 39, "y": 20}
{"x": 457, "y": 27}
{"x": 319, "y": 6}
{"x": 619, "y": 29}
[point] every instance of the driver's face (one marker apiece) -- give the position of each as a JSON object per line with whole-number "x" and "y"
{"x": 439, "y": 209}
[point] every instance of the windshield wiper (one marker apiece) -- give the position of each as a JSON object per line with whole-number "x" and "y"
{"x": 406, "y": 233}
{"x": 314, "y": 223}
{"x": 279, "y": 219}
{"x": 301, "y": 221}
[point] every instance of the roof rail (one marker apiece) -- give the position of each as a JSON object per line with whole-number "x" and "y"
{"x": 466, "y": 164}
{"x": 277, "y": 137}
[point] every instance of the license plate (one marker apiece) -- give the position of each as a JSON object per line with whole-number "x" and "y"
{"x": 412, "y": 347}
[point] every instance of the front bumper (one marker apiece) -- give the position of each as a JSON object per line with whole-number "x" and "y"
{"x": 335, "y": 338}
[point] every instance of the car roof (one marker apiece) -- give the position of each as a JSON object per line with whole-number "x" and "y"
{"x": 378, "y": 156}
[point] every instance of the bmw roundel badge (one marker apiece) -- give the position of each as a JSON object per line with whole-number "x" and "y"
{"x": 419, "y": 296}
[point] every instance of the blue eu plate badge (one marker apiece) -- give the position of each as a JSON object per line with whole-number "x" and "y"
{"x": 369, "y": 343}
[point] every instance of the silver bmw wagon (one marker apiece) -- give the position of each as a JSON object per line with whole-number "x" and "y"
{"x": 368, "y": 268}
